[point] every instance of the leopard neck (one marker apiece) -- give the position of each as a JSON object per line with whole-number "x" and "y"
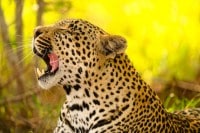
{"x": 116, "y": 85}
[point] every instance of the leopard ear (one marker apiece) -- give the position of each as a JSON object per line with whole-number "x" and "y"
{"x": 111, "y": 45}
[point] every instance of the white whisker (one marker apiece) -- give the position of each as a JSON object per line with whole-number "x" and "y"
{"x": 46, "y": 50}
{"x": 25, "y": 57}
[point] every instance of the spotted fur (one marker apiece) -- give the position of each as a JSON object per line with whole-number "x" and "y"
{"x": 104, "y": 91}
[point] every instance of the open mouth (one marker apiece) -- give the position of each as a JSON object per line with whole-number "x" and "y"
{"x": 52, "y": 63}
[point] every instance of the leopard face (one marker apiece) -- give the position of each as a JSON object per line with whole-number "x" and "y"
{"x": 69, "y": 47}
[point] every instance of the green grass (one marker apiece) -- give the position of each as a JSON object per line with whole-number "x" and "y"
{"x": 173, "y": 102}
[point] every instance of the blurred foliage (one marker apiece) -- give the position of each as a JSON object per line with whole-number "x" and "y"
{"x": 161, "y": 34}
{"x": 163, "y": 42}
{"x": 173, "y": 102}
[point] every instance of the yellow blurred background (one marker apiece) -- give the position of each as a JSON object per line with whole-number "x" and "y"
{"x": 163, "y": 36}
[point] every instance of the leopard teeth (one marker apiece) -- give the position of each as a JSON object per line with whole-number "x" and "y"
{"x": 39, "y": 73}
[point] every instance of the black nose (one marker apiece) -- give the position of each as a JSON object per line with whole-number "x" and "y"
{"x": 37, "y": 32}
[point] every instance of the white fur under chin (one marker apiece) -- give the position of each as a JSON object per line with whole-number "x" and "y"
{"x": 49, "y": 81}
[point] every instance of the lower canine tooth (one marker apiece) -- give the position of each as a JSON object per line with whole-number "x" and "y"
{"x": 43, "y": 71}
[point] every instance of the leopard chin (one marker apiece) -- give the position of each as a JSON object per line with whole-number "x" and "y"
{"x": 47, "y": 81}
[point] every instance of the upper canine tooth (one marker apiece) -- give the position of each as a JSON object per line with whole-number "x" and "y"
{"x": 39, "y": 73}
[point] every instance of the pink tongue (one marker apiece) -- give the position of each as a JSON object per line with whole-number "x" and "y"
{"x": 53, "y": 61}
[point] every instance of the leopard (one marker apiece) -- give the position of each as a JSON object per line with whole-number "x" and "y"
{"x": 104, "y": 92}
